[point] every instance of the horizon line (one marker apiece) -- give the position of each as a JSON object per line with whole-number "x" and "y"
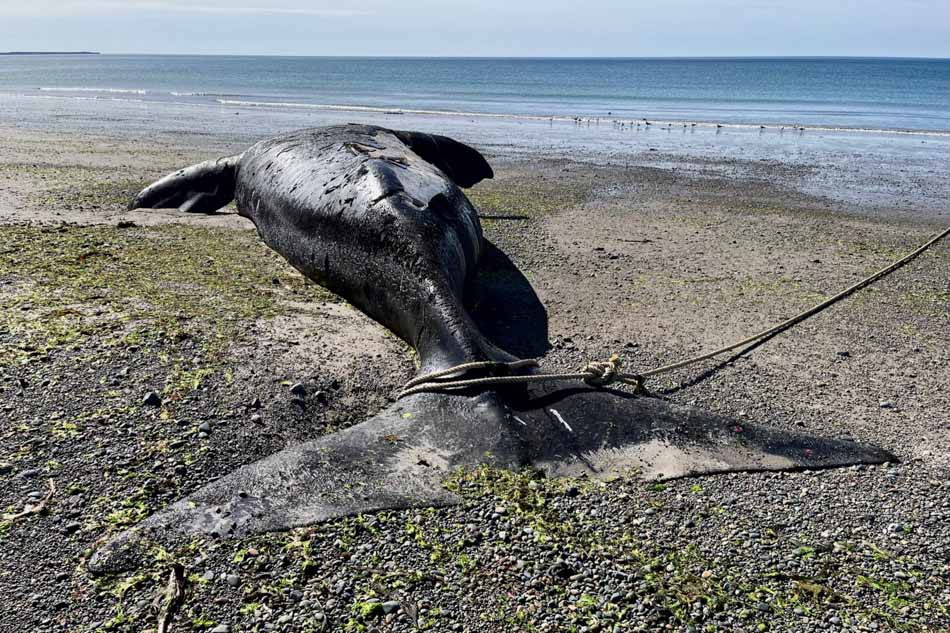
{"x": 525, "y": 57}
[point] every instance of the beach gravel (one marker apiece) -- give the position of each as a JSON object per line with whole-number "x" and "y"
{"x": 129, "y": 387}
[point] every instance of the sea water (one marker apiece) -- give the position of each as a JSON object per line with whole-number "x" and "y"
{"x": 851, "y": 93}
{"x": 871, "y": 131}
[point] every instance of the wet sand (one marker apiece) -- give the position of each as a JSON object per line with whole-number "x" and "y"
{"x": 654, "y": 255}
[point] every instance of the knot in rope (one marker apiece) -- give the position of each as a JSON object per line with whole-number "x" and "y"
{"x": 603, "y": 372}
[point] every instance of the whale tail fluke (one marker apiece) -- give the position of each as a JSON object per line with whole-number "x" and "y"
{"x": 202, "y": 188}
{"x": 407, "y": 455}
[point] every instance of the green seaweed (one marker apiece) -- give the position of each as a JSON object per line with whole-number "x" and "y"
{"x": 61, "y": 287}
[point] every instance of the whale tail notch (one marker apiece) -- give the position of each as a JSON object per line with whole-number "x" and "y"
{"x": 202, "y": 188}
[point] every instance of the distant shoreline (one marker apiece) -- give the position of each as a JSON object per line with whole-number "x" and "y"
{"x": 50, "y": 53}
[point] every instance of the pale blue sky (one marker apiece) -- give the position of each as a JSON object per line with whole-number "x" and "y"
{"x": 482, "y": 27}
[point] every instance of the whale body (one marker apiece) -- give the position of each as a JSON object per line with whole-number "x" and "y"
{"x": 379, "y": 217}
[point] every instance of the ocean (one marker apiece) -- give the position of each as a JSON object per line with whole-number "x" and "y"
{"x": 868, "y": 131}
{"x": 891, "y": 95}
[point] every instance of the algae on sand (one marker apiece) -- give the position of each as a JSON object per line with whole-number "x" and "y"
{"x": 59, "y": 286}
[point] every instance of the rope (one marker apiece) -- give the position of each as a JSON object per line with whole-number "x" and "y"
{"x": 597, "y": 374}
{"x": 604, "y": 373}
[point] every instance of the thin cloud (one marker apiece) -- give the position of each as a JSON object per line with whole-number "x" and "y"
{"x": 50, "y": 9}
{"x": 260, "y": 10}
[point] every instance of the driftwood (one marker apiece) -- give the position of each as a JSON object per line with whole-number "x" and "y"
{"x": 39, "y": 508}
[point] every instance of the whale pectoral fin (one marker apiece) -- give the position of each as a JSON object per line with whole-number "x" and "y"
{"x": 463, "y": 164}
{"x": 367, "y": 467}
{"x": 202, "y": 188}
{"x": 606, "y": 434}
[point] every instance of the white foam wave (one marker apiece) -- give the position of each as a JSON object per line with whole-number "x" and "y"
{"x": 116, "y": 99}
{"x": 200, "y": 94}
{"x": 131, "y": 91}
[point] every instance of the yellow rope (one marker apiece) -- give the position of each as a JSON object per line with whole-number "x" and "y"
{"x": 604, "y": 373}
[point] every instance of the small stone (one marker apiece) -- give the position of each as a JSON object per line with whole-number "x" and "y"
{"x": 887, "y": 404}
{"x": 29, "y": 473}
{"x": 299, "y": 390}
{"x": 256, "y": 418}
{"x": 72, "y": 527}
{"x": 204, "y": 427}
{"x": 152, "y": 399}
{"x": 6, "y": 468}
{"x": 390, "y": 606}
{"x": 256, "y": 403}
{"x": 208, "y": 575}
{"x": 221, "y": 628}
{"x": 233, "y": 579}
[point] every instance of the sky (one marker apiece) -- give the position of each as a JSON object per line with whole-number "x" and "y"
{"x": 612, "y": 28}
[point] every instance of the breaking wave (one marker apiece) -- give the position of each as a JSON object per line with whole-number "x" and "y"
{"x": 131, "y": 91}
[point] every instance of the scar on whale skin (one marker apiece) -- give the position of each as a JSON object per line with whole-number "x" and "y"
{"x": 378, "y": 216}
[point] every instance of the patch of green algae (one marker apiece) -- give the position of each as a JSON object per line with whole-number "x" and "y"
{"x": 533, "y": 198}
{"x": 59, "y": 286}
{"x": 682, "y": 586}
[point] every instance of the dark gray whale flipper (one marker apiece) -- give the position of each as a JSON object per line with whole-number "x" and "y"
{"x": 376, "y": 216}
{"x": 202, "y": 188}
{"x": 463, "y": 164}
